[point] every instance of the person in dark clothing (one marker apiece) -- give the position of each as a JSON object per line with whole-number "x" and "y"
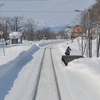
{"x": 67, "y": 52}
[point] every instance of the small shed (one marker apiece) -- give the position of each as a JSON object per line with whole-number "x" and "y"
{"x": 15, "y": 37}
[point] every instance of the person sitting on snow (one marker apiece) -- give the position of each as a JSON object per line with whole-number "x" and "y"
{"x": 67, "y": 52}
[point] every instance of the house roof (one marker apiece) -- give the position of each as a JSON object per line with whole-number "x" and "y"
{"x": 15, "y": 35}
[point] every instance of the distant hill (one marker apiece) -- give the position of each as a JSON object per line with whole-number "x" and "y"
{"x": 58, "y": 28}
{"x": 53, "y": 28}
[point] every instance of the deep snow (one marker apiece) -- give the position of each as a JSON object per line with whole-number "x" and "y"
{"x": 80, "y": 80}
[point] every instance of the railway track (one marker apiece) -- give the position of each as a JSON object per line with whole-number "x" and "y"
{"x": 47, "y": 87}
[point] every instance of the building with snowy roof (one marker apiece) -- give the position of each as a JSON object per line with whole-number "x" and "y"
{"x": 15, "y": 37}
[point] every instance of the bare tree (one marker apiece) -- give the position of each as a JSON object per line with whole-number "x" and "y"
{"x": 15, "y": 23}
{"x": 45, "y": 33}
{"x": 93, "y": 13}
{"x": 3, "y": 27}
{"x": 61, "y": 35}
{"x": 29, "y": 27}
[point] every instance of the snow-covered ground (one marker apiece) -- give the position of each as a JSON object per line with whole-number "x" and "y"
{"x": 80, "y": 80}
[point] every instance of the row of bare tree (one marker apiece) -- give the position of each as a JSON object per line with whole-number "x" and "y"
{"x": 8, "y": 24}
{"x": 27, "y": 26}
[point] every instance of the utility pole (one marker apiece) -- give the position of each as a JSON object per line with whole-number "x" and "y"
{"x": 89, "y": 36}
{"x": 98, "y": 40}
{"x": 16, "y": 20}
{"x": 1, "y": 33}
{"x": 6, "y": 29}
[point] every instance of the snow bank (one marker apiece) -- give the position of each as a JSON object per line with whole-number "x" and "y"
{"x": 10, "y": 70}
{"x": 8, "y": 66}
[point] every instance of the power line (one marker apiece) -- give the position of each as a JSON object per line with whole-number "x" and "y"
{"x": 27, "y": 0}
{"x": 39, "y": 11}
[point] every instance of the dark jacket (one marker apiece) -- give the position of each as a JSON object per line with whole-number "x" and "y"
{"x": 67, "y": 52}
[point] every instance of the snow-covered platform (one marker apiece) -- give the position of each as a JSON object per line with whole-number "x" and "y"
{"x": 67, "y": 58}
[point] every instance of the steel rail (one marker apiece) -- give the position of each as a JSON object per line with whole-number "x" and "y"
{"x": 55, "y": 75}
{"x": 39, "y": 74}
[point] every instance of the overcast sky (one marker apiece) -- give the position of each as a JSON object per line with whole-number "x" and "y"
{"x": 47, "y": 18}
